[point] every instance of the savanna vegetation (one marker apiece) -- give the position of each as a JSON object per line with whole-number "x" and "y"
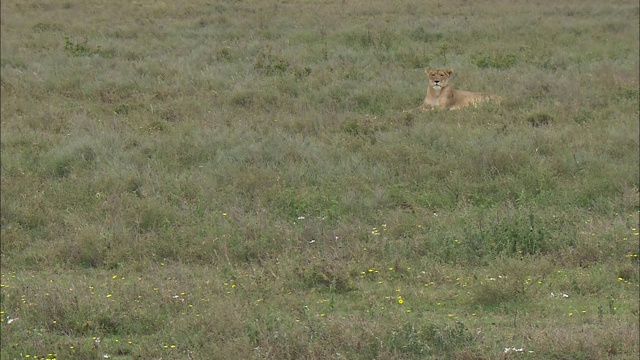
{"x": 245, "y": 180}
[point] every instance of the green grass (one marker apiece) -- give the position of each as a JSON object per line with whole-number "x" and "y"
{"x": 241, "y": 180}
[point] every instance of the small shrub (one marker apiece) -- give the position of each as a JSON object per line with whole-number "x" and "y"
{"x": 353, "y": 72}
{"x": 157, "y": 126}
{"x": 88, "y": 252}
{"x": 539, "y": 119}
{"x": 224, "y": 55}
{"x": 497, "y": 61}
{"x": 328, "y": 277}
{"x": 366, "y": 127}
{"x": 269, "y": 64}
{"x": 516, "y": 235}
{"x": 79, "y": 49}
{"x": 243, "y": 98}
{"x": 492, "y": 294}
{"x": 409, "y": 340}
{"x": 356, "y": 39}
{"x": 422, "y": 34}
{"x": 430, "y": 338}
{"x": 368, "y": 103}
{"x": 352, "y": 127}
{"x": 154, "y": 216}
{"x": 302, "y": 72}
{"x": 46, "y": 27}
{"x": 628, "y": 94}
{"x": 512, "y": 281}
{"x": 386, "y": 40}
{"x": 408, "y": 119}
{"x": 80, "y": 157}
{"x": 413, "y": 59}
{"x": 121, "y": 109}
{"x": 628, "y": 272}
{"x": 583, "y": 116}
{"x": 450, "y": 337}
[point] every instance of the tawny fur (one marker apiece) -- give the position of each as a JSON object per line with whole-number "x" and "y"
{"x": 441, "y": 95}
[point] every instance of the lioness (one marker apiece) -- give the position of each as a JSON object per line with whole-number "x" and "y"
{"x": 441, "y": 95}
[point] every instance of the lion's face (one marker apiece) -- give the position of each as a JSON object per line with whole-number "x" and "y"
{"x": 438, "y": 78}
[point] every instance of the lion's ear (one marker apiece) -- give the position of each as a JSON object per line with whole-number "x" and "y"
{"x": 427, "y": 70}
{"x": 449, "y": 72}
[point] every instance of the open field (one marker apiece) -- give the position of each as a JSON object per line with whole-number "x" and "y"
{"x": 241, "y": 180}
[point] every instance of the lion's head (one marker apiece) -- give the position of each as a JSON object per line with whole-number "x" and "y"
{"x": 438, "y": 78}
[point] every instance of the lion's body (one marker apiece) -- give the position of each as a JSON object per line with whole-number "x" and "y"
{"x": 441, "y": 95}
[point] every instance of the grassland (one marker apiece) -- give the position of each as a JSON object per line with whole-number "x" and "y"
{"x": 240, "y": 180}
